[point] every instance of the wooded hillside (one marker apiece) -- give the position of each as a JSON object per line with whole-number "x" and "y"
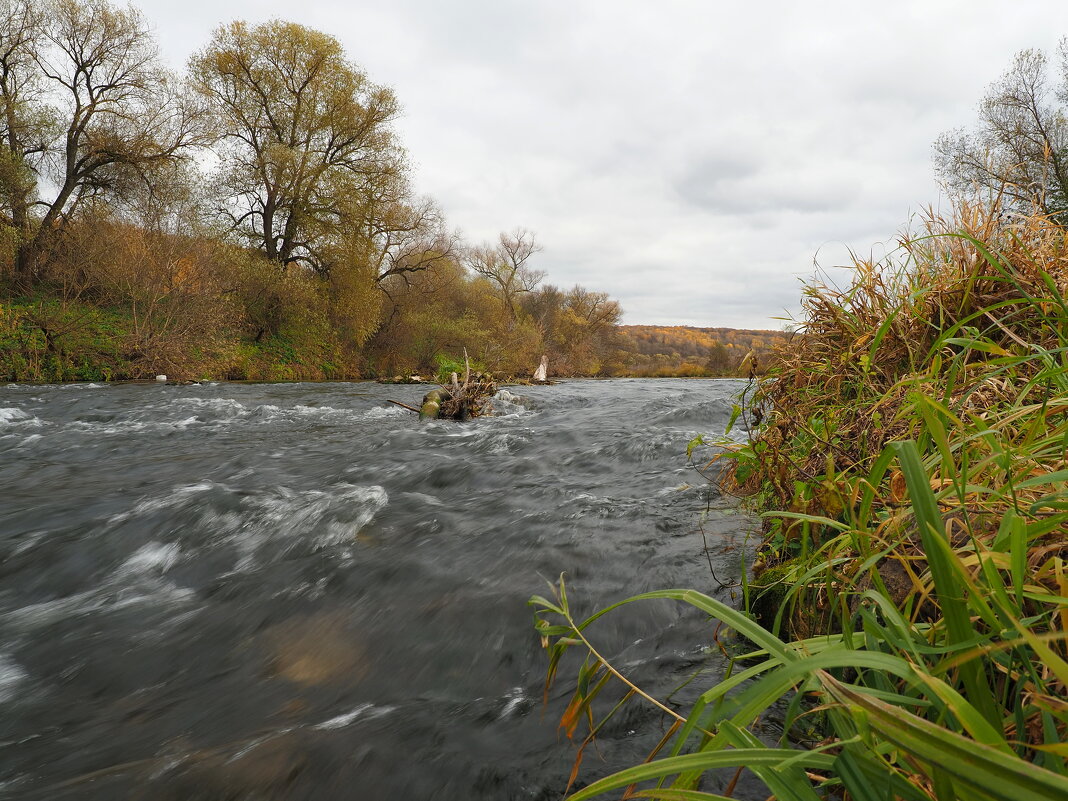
{"x": 656, "y": 350}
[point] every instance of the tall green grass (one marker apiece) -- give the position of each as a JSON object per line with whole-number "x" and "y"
{"x": 913, "y": 469}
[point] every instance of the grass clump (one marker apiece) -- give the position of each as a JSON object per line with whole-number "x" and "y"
{"x": 913, "y": 465}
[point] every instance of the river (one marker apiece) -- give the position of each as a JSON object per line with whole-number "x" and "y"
{"x": 300, "y": 591}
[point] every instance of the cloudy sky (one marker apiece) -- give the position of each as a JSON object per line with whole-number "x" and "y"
{"x": 692, "y": 159}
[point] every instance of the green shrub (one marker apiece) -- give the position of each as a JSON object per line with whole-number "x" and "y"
{"x": 448, "y": 365}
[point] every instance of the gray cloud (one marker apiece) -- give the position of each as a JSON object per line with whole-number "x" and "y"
{"x": 689, "y": 158}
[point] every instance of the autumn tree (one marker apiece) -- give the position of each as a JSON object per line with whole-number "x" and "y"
{"x": 505, "y": 266}
{"x": 586, "y": 329}
{"x": 544, "y": 305}
{"x": 596, "y": 311}
{"x": 21, "y": 135}
{"x": 1019, "y": 150}
{"x": 719, "y": 358}
{"x": 433, "y": 314}
{"x": 311, "y": 167}
{"x": 87, "y": 110}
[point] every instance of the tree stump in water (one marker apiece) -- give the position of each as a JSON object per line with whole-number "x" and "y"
{"x": 541, "y": 375}
{"x": 459, "y": 401}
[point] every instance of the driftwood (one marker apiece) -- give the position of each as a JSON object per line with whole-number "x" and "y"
{"x": 541, "y": 375}
{"x": 403, "y": 406}
{"x": 456, "y": 401}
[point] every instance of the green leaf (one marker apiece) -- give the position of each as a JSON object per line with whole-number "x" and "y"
{"x": 693, "y": 443}
{"x": 985, "y": 770}
{"x": 868, "y": 779}
{"x": 736, "y": 412}
{"x": 735, "y": 757}
{"x": 948, "y": 586}
{"x": 984, "y": 346}
{"x": 786, "y": 781}
{"x": 669, "y": 794}
{"x": 1058, "y": 477}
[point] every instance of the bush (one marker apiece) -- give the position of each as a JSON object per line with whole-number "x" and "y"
{"x": 448, "y": 365}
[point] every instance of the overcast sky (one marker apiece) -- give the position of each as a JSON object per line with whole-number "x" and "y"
{"x": 692, "y": 159}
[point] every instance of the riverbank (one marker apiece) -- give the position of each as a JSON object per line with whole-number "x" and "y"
{"x": 49, "y": 339}
{"x": 913, "y": 465}
{"x": 911, "y": 469}
{"x": 46, "y": 338}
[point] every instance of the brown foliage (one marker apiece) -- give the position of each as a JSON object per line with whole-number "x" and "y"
{"x": 662, "y": 351}
{"x": 864, "y": 352}
{"x": 173, "y": 288}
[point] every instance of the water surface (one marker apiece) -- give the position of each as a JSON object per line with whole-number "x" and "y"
{"x": 302, "y": 592}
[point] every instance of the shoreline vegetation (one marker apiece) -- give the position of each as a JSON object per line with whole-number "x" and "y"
{"x": 909, "y": 605}
{"x": 49, "y": 338}
{"x": 910, "y": 598}
{"x": 904, "y": 634}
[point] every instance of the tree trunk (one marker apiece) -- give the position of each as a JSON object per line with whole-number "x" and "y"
{"x": 26, "y": 265}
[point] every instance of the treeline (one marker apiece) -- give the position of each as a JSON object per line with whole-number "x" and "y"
{"x": 253, "y": 218}
{"x": 653, "y": 350}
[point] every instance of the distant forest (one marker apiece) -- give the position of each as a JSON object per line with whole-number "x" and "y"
{"x": 653, "y": 350}
{"x": 254, "y": 218}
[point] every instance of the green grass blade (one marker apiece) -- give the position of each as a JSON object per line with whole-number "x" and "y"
{"x": 668, "y": 794}
{"x": 867, "y": 779}
{"x": 731, "y": 758}
{"x": 948, "y": 586}
{"x": 985, "y": 770}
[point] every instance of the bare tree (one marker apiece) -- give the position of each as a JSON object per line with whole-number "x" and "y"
{"x": 505, "y": 266}
{"x": 407, "y": 237}
{"x": 1019, "y": 151}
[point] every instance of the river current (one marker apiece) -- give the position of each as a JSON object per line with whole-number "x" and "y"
{"x": 299, "y": 591}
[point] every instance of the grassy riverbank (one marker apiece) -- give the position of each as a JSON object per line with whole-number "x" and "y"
{"x": 911, "y": 592}
{"x": 54, "y": 334}
{"x": 48, "y": 338}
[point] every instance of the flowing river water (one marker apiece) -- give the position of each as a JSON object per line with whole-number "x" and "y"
{"x": 299, "y": 591}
